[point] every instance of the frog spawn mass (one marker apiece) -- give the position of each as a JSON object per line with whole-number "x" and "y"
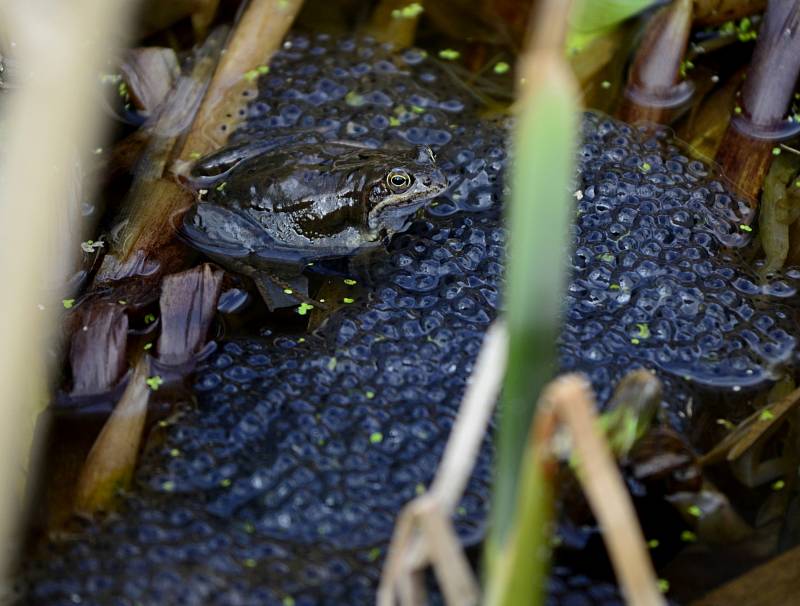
{"x": 282, "y": 484}
{"x": 654, "y": 283}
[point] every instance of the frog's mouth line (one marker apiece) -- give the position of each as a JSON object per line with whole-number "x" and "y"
{"x": 377, "y": 217}
{"x": 394, "y": 206}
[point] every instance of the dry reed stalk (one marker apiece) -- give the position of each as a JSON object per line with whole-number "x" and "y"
{"x": 110, "y": 463}
{"x": 423, "y": 532}
{"x": 568, "y": 401}
{"x": 256, "y": 37}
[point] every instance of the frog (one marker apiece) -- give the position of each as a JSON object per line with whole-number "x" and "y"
{"x": 271, "y": 209}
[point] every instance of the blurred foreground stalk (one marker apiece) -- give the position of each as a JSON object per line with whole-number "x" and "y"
{"x": 47, "y": 123}
{"x": 539, "y": 218}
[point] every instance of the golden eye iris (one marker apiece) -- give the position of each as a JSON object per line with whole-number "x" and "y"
{"x": 398, "y": 180}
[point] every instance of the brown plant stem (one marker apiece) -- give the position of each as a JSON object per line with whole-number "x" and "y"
{"x": 655, "y": 91}
{"x": 569, "y": 401}
{"x": 745, "y": 151}
{"x": 389, "y": 24}
{"x": 257, "y": 36}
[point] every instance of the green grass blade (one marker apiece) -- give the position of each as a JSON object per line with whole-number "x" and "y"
{"x": 518, "y": 571}
{"x": 539, "y": 220}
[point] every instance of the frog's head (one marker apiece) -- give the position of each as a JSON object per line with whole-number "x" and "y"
{"x": 408, "y": 181}
{"x": 396, "y": 184}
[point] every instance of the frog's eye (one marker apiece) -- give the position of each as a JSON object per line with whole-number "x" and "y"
{"x": 398, "y": 180}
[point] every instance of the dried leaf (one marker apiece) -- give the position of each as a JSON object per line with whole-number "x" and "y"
{"x": 109, "y": 466}
{"x": 97, "y": 352}
{"x": 149, "y": 73}
{"x": 188, "y": 304}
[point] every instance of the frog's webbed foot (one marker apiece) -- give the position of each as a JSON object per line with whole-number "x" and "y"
{"x": 279, "y": 291}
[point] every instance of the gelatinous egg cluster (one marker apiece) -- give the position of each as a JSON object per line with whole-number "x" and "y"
{"x": 282, "y": 484}
{"x": 654, "y": 283}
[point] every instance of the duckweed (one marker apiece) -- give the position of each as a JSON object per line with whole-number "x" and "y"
{"x": 154, "y": 382}
{"x": 501, "y": 67}
{"x": 253, "y": 74}
{"x": 304, "y": 308}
